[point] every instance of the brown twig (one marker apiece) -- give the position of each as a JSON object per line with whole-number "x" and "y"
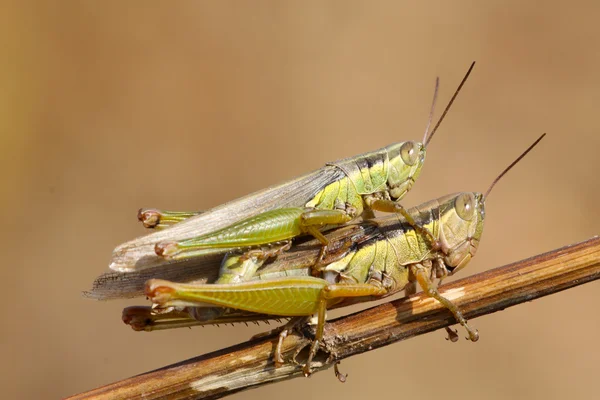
{"x": 249, "y": 364}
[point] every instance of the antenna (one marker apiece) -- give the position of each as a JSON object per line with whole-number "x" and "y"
{"x": 449, "y": 105}
{"x": 512, "y": 165}
{"x": 432, "y": 109}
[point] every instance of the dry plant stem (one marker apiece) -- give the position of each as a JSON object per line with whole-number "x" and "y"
{"x": 250, "y": 364}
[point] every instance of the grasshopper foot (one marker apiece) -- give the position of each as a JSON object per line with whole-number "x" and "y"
{"x": 149, "y": 217}
{"x": 278, "y": 357}
{"x": 159, "y": 219}
{"x": 314, "y": 348}
{"x": 473, "y": 334}
{"x": 452, "y": 334}
{"x": 341, "y": 377}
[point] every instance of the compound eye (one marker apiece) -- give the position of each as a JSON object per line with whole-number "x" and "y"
{"x": 409, "y": 152}
{"x": 465, "y": 206}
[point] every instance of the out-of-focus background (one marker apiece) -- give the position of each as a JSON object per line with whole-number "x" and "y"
{"x": 107, "y": 107}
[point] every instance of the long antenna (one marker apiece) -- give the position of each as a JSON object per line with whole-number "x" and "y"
{"x": 449, "y": 104}
{"x": 512, "y": 165}
{"x": 432, "y": 109}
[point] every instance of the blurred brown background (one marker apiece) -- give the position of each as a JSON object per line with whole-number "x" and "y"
{"x": 107, "y": 107}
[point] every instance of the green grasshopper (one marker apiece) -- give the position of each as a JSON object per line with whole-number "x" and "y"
{"x": 396, "y": 259}
{"x": 334, "y": 195}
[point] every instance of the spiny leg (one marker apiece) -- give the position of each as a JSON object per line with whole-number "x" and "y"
{"x": 429, "y": 287}
{"x": 141, "y": 318}
{"x": 160, "y": 219}
{"x": 390, "y": 206}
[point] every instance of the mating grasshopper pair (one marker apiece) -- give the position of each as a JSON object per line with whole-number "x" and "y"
{"x": 431, "y": 241}
{"x": 386, "y": 255}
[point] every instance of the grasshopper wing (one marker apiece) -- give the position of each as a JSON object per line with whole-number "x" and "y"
{"x": 123, "y": 285}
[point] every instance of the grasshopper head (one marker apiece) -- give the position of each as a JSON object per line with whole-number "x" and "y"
{"x": 461, "y": 221}
{"x": 406, "y": 161}
{"x": 461, "y": 226}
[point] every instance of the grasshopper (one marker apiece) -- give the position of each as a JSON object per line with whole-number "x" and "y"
{"x": 396, "y": 259}
{"x": 333, "y": 195}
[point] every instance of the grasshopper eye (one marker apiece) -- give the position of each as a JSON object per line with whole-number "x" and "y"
{"x": 465, "y": 206}
{"x": 409, "y": 152}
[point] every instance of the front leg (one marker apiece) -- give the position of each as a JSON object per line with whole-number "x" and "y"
{"x": 422, "y": 275}
{"x": 409, "y": 290}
